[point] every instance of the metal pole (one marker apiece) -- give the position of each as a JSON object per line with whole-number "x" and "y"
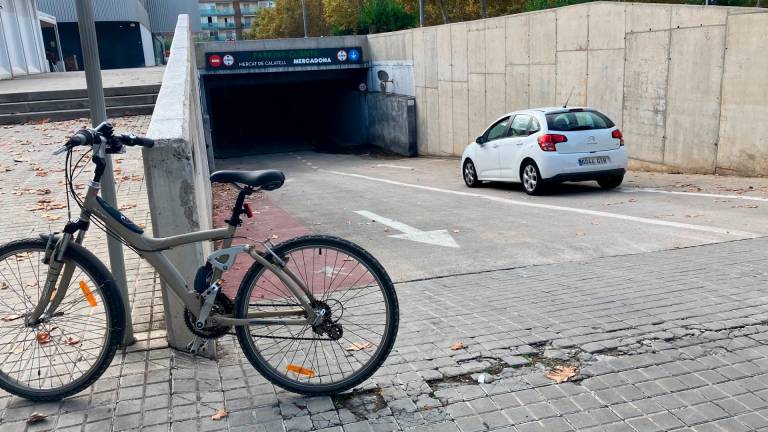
{"x": 421, "y": 13}
{"x": 304, "y": 17}
{"x": 92, "y": 68}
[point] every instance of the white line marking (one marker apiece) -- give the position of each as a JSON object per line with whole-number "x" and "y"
{"x": 437, "y": 237}
{"x": 705, "y": 228}
{"x": 701, "y": 194}
{"x": 394, "y": 166}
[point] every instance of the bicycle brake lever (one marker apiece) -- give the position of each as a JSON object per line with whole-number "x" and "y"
{"x": 60, "y": 150}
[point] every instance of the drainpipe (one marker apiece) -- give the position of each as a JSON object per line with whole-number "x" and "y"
{"x": 304, "y": 17}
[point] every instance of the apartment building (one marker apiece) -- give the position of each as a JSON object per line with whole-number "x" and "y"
{"x": 228, "y": 20}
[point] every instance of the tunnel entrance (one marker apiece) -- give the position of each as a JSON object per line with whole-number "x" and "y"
{"x": 257, "y": 113}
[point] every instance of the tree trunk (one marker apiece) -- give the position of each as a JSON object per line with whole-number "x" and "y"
{"x": 441, "y": 6}
{"x": 484, "y": 8}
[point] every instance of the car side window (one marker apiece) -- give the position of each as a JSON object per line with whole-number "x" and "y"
{"x": 519, "y": 126}
{"x": 498, "y": 130}
{"x": 534, "y": 126}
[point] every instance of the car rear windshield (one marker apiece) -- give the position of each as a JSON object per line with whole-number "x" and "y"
{"x": 578, "y": 120}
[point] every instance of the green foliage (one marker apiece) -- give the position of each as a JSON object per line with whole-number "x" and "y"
{"x": 378, "y": 16}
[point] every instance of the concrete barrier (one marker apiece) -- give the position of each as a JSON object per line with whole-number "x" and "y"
{"x": 176, "y": 171}
{"x": 687, "y": 84}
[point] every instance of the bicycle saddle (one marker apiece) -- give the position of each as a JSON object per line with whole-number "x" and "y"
{"x": 266, "y": 179}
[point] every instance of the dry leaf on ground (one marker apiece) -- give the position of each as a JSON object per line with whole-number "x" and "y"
{"x": 11, "y": 317}
{"x": 127, "y": 206}
{"x": 562, "y": 374}
{"x": 220, "y": 414}
{"x": 36, "y": 417}
{"x": 69, "y": 340}
{"x": 457, "y": 346}
{"x": 43, "y": 337}
{"x": 3, "y": 285}
{"x": 357, "y": 346}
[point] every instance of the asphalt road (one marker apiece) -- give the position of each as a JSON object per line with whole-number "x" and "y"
{"x": 420, "y": 220}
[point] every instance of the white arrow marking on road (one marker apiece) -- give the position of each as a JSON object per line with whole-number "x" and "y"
{"x": 437, "y": 237}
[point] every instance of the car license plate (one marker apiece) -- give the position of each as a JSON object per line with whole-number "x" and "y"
{"x": 597, "y": 160}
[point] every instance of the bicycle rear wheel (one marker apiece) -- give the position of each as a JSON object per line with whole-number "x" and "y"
{"x": 65, "y": 353}
{"x": 359, "y": 299}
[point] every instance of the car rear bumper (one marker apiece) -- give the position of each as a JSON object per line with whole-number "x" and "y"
{"x": 586, "y": 176}
{"x": 565, "y": 167}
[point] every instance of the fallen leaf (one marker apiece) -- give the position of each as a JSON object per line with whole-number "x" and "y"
{"x": 275, "y": 236}
{"x": 457, "y": 346}
{"x": 43, "y": 337}
{"x": 36, "y": 417}
{"x": 3, "y": 285}
{"x": 127, "y": 206}
{"x": 69, "y": 340}
{"x": 51, "y": 217}
{"x": 11, "y": 317}
{"x": 19, "y": 160}
{"x": 562, "y": 374}
{"x": 220, "y": 414}
{"x": 357, "y": 346}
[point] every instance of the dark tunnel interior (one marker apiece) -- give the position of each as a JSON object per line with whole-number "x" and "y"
{"x": 277, "y": 112}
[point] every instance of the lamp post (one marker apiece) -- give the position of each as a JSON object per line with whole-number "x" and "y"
{"x": 90, "y": 48}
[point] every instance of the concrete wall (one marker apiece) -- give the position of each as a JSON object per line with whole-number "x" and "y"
{"x": 392, "y": 122}
{"x": 687, "y": 84}
{"x": 176, "y": 170}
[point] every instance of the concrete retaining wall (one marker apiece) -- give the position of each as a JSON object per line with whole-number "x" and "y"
{"x": 392, "y": 122}
{"x": 687, "y": 84}
{"x": 176, "y": 171}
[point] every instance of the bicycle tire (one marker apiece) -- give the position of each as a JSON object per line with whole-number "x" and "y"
{"x": 99, "y": 274}
{"x": 389, "y": 295}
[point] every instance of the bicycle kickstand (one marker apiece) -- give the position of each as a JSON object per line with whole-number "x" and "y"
{"x": 197, "y": 345}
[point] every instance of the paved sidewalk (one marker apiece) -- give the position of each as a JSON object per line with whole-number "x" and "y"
{"x": 671, "y": 340}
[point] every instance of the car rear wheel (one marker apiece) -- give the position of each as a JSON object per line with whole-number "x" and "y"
{"x": 470, "y": 174}
{"x": 611, "y": 182}
{"x": 531, "y": 179}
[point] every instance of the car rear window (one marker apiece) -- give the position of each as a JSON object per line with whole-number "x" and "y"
{"x": 578, "y": 120}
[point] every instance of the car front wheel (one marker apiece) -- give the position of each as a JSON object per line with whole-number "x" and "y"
{"x": 531, "y": 178}
{"x": 470, "y": 174}
{"x": 611, "y": 182}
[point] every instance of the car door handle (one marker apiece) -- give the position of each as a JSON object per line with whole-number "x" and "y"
{"x": 495, "y": 146}
{"x": 520, "y": 143}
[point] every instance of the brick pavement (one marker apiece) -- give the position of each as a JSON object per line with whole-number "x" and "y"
{"x": 665, "y": 341}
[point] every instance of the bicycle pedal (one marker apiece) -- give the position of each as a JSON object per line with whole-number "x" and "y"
{"x": 197, "y": 345}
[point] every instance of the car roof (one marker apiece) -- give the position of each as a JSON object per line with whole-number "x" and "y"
{"x": 549, "y": 110}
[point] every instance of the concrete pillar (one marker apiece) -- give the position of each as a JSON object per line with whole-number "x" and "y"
{"x": 176, "y": 170}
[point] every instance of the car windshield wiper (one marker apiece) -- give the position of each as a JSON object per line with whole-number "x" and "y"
{"x": 578, "y": 128}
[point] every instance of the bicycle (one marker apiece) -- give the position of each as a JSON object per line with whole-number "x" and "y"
{"x": 316, "y": 315}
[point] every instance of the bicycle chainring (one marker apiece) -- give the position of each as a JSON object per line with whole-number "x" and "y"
{"x": 221, "y": 306}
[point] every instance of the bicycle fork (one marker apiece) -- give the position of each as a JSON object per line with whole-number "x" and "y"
{"x": 59, "y": 271}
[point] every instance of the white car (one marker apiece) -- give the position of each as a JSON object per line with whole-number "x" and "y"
{"x": 547, "y": 145}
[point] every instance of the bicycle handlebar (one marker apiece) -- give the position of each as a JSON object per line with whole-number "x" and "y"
{"x": 92, "y": 136}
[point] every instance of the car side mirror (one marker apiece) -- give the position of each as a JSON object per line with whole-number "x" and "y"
{"x": 480, "y": 140}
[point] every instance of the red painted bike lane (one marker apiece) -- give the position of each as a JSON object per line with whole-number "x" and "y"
{"x": 268, "y": 222}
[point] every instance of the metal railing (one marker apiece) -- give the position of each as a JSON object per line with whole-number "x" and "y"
{"x": 217, "y": 12}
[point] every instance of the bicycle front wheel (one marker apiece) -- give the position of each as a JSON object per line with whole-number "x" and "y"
{"x": 359, "y": 303}
{"x": 66, "y": 352}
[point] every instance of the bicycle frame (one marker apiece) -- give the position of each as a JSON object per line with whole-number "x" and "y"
{"x": 152, "y": 250}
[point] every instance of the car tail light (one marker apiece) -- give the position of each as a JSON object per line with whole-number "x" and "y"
{"x": 548, "y": 142}
{"x": 617, "y": 134}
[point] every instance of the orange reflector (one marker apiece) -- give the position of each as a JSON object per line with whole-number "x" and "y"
{"x": 88, "y": 294}
{"x": 300, "y": 370}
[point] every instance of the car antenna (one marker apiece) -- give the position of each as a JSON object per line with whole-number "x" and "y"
{"x": 565, "y": 105}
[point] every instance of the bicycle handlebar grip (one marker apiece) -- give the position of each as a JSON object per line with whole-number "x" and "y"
{"x": 145, "y": 142}
{"x": 82, "y": 137}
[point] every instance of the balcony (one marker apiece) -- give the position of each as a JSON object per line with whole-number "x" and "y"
{"x": 217, "y": 12}
{"x": 217, "y": 25}
{"x": 249, "y": 10}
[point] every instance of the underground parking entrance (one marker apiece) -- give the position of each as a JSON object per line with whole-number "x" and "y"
{"x": 256, "y": 113}
{"x": 306, "y": 95}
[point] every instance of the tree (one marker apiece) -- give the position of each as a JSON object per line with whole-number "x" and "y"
{"x": 285, "y": 20}
{"x": 342, "y": 16}
{"x": 378, "y": 16}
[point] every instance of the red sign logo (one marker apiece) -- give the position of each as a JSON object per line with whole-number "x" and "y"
{"x": 215, "y": 60}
